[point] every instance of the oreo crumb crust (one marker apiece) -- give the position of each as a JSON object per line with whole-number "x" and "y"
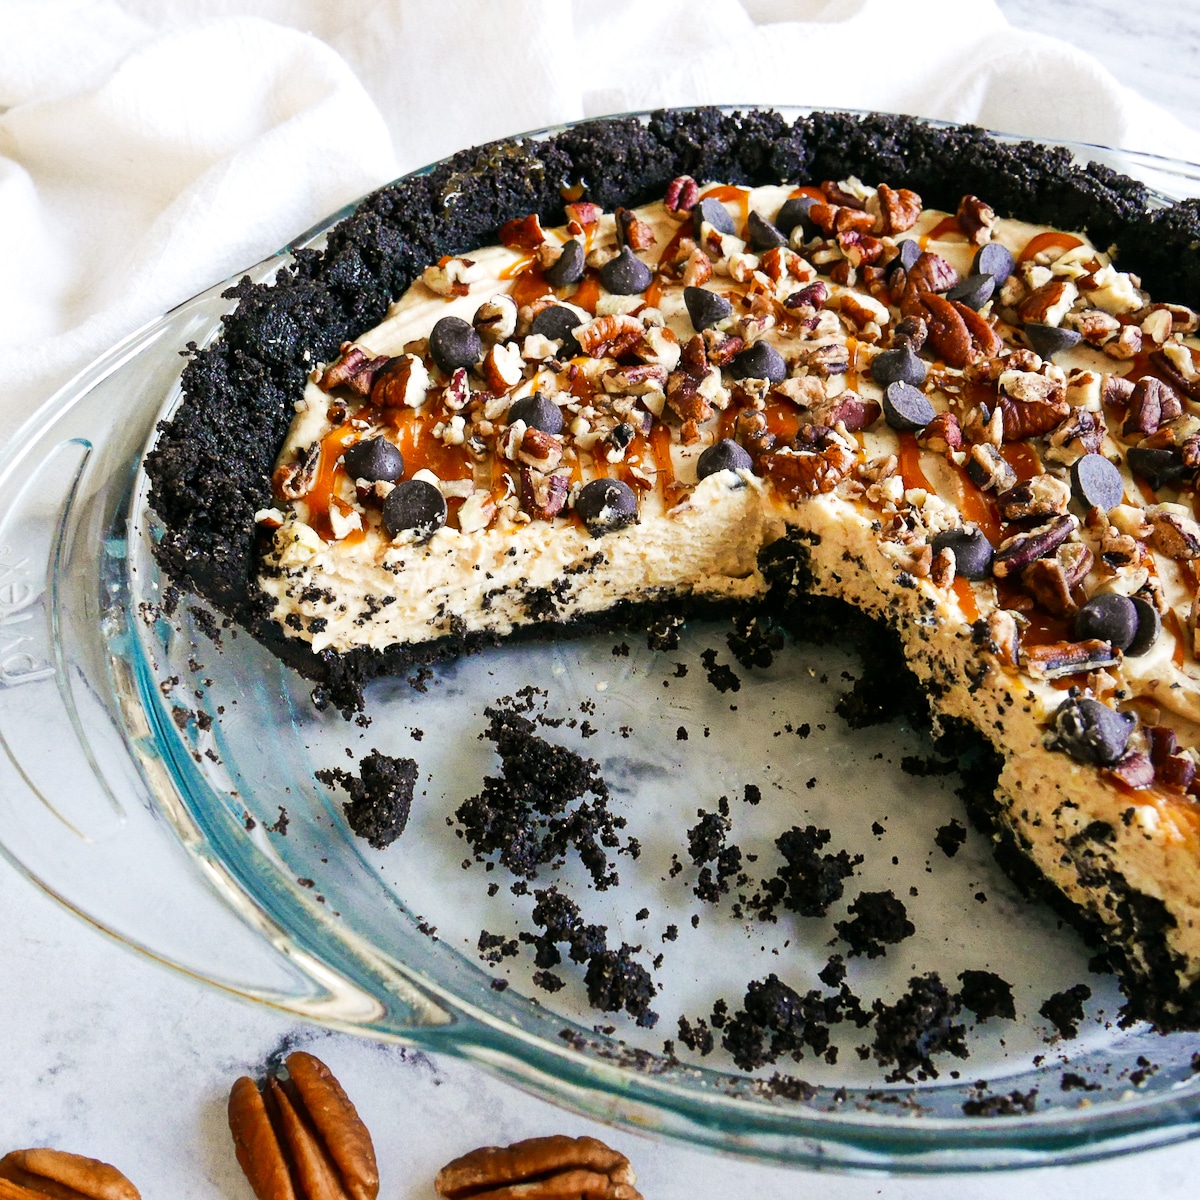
{"x": 210, "y": 470}
{"x": 381, "y": 796}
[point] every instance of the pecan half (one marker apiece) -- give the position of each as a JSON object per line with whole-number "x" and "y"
{"x": 976, "y": 219}
{"x": 1151, "y": 403}
{"x": 930, "y": 273}
{"x": 1027, "y": 418}
{"x": 609, "y": 336}
{"x": 301, "y": 1137}
{"x": 1172, "y": 375}
{"x": 948, "y": 334}
{"x": 1017, "y": 552}
{"x": 634, "y": 232}
{"x": 1057, "y": 659}
{"x": 1133, "y": 770}
{"x": 1051, "y": 581}
{"x": 898, "y": 209}
{"x": 61, "y": 1176}
{"x": 682, "y": 193}
{"x": 807, "y": 472}
{"x": 545, "y": 1168}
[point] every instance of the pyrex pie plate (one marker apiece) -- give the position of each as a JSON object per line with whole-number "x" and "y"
{"x": 162, "y": 787}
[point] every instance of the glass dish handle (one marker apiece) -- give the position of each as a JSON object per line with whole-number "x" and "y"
{"x": 86, "y": 809}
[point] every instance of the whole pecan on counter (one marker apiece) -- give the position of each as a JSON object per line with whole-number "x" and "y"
{"x": 300, "y": 1137}
{"x": 36, "y": 1174}
{"x": 545, "y": 1168}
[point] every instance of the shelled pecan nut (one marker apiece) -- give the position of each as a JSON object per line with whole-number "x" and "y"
{"x": 300, "y": 1137}
{"x": 36, "y": 1174}
{"x": 545, "y": 1168}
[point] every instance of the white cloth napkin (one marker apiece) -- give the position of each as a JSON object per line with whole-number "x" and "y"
{"x": 149, "y": 148}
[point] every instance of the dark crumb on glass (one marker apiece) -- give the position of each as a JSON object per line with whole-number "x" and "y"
{"x": 681, "y": 734}
{"x": 950, "y": 837}
{"x": 1064, "y": 1010}
{"x": 381, "y": 796}
{"x": 548, "y": 981}
{"x": 987, "y": 995}
{"x": 722, "y": 676}
{"x": 808, "y": 882}
{"x": 696, "y": 1035}
{"x": 1076, "y": 1083}
{"x": 880, "y": 920}
{"x": 499, "y": 985}
{"x": 752, "y": 794}
{"x": 919, "y": 1025}
{"x": 279, "y": 826}
{"x": 1015, "y": 1104}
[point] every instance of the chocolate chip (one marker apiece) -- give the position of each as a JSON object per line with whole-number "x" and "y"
{"x": 453, "y": 344}
{"x": 972, "y": 552}
{"x": 373, "y": 459}
{"x": 1096, "y": 482}
{"x": 725, "y": 455}
{"x": 1110, "y": 617}
{"x": 715, "y": 213}
{"x": 906, "y": 408}
{"x": 705, "y": 308}
{"x": 416, "y": 505}
{"x": 795, "y": 212}
{"x": 606, "y": 505}
{"x": 1049, "y": 340}
{"x": 974, "y": 291}
{"x": 537, "y": 412}
{"x": 994, "y": 260}
{"x": 759, "y": 361}
{"x": 763, "y": 235}
{"x": 1159, "y": 468}
{"x": 901, "y": 365}
{"x": 556, "y": 323}
{"x": 567, "y": 268}
{"x": 1091, "y": 732}
{"x": 910, "y": 251}
{"x": 1149, "y": 626}
{"x": 626, "y": 275}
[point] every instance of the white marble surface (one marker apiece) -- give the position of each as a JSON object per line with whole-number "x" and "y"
{"x": 108, "y": 1054}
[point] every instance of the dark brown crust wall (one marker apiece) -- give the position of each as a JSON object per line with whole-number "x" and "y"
{"x": 210, "y": 471}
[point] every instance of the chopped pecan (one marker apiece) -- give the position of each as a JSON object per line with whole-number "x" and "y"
{"x": 898, "y": 209}
{"x": 860, "y": 249}
{"x": 1039, "y": 496}
{"x": 807, "y": 391}
{"x": 522, "y": 233}
{"x": 988, "y": 469}
{"x": 810, "y": 298}
{"x": 634, "y": 232}
{"x": 1015, "y": 553}
{"x": 823, "y": 216}
{"x": 1127, "y": 344}
{"x": 1174, "y": 534}
{"x": 1176, "y": 771}
{"x": 1134, "y": 770}
{"x": 852, "y": 220}
{"x": 722, "y": 348}
{"x": 836, "y": 194}
{"x": 1081, "y": 433}
{"x": 402, "y": 383}
{"x": 301, "y": 1136}
{"x": 540, "y": 450}
{"x": 1052, "y": 580}
{"x": 1033, "y": 409}
{"x": 456, "y": 395}
{"x": 451, "y": 277}
{"x": 609, "y": 336}
{"x": 1175, "y": 377}
{"x": 354, "y": 368}
{"x": 1115, "y": 391}
{"x": 1094, "y": 325}
{"x": 682, "y": 193}
{"x": 1151, "y": 403}
{"x": 843, "y": 273}
{"x": 542, "y": 495}
{"x": 495, "y": 320}
{"x": 1049, "y": 303}
{"x": 42, "y": 1172}
{"x": 976, "y": 219}
{"x": 852, "y": 411}
{"x": 803, "y": 473}
{"x": 911, "y": 330}
{"x": 291, "y": 481}
{"x": 503, "y": 367}
{"x": 1002, "y": 636}
{"x": 583, "y": 213}
{"x": 1119, "y": 549}
{"x": 833, "y": 358}
{"x": 942, "y": 433}
{"x": 1054, "y": 660}
{"x": 545, "y": 1168}
{"x": 753, "y": 433}
{"x": 637, "y": 380}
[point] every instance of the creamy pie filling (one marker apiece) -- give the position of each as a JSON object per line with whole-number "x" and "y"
{"x": 997, "y": 652}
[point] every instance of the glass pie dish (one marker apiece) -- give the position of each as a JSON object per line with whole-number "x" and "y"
{"x": 159, "y": 780}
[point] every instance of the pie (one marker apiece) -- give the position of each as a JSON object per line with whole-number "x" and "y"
{"x": 626, "y": 375}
